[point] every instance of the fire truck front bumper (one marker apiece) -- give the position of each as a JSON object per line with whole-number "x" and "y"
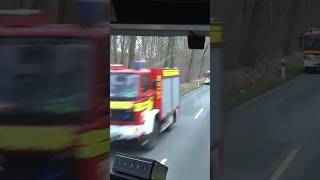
{"x": 130, "y": 132}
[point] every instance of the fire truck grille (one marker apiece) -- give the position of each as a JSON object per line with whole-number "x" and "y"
{"x": 123, "y": 115}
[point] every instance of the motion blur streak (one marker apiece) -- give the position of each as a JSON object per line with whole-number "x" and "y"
{"x": 53, "y": 122}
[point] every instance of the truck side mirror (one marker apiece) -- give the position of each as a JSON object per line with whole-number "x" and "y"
{"x": 154, "y": 84}
{"x": 196, "y": 42}
{"x": 300, "y": 41}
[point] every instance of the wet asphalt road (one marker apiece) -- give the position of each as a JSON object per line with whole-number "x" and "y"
{"x": 276, "y": 137}
{"x": 186, "y": 146}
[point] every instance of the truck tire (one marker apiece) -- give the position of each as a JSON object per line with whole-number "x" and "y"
{"x": 174, "y": 122}
{"x": 153, "y": 137}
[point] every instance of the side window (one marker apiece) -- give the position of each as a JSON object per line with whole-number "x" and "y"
{"x": 145, "y": 83}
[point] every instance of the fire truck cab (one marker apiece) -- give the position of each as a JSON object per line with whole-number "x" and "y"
{"x": 143, "y": 103}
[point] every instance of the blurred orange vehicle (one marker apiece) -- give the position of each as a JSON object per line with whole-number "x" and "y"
{"x": 53, "y": 122}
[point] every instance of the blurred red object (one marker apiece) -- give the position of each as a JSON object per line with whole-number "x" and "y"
{"x": 23, "y": 17}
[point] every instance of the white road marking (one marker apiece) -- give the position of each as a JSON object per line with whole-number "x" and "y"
{"x": 198, "y": 114}
{"x": 163, "y": 161}
{"x": 283, "y": 166}
{"x": 269, "y": 92}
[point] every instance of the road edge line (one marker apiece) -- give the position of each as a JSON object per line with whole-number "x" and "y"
{"x": 267, "y": 93}
{"x": 193, "y": 91}
{"x": 198, "y": 114}
{"x": 285, "y": 164}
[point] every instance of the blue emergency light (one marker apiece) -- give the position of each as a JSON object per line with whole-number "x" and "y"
{"x": 139, "y": 64}
{"x": 90, "y": 12}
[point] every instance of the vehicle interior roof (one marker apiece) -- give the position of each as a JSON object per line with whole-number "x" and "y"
{"x": 162, "y": 11}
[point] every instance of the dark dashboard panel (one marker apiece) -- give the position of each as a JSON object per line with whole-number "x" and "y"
{"x": 162, "y": 11}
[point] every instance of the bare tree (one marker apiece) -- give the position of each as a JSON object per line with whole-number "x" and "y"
{"x": 123, "y": 50}
{"x": 169, "y": 62}
{"x": 253, "y": 38}
{"x": 161, "y": 52}
{"x": 203, "y": 59}
{"x": 114, "y": 40}
{"x": 190, "y": 66}
{"x": 295, "y": 12}
{"x": 132, "y": 50}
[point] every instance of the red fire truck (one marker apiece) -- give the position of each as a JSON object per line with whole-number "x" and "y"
{"x": 143, "y": 103}
{"x": 53, "y": 122}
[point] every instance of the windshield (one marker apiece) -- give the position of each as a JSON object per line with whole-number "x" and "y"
{"x": 41, "y": 78}
{"x": 124, "y": 86}
{"x": 312, "y": 42}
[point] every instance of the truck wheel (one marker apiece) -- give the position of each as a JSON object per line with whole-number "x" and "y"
{"x": 153, "y": 137}
{"x": 174, "y": 121}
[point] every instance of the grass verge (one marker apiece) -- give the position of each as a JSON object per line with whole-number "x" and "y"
{"x": 191, "y": 87}
{"x": 237, "y": 98}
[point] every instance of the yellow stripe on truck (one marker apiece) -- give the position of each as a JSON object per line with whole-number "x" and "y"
{"x": 90, "y": 144}
{"x": 146, "y": 105}
{"x": 171, "y": 72}
{"x": 121, "y": 104}
{"x": 124, "y": 105}
{"x": 95, "y": 136}
{"x": 93, "y": 150}
{"x": 94, "y": 143}
{"x": 35, "y": 138}
{"x": 311, "y": 52}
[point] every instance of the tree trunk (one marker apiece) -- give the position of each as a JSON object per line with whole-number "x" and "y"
{"x": 150, "y": 49}
{"x": 190, "y": 66}
{"x": 172, "y": 42}
{"x": 144, "y": 46}
{"x": 122, "y": 49}
{"x": 132, "y": 49}
{"x": 252, "y": 38}
{"x": 169, "y": 62}
{"x": 293, "y": 20}
{"x": 203, "y": 59}
{"x": 115, "y": 48}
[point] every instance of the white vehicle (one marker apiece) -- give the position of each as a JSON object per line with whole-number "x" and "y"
{"x": 207, "y": 77}
{"x": 311, "y": 49}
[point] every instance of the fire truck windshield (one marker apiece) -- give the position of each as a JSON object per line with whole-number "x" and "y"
{"x": 312, "y": 42}
{"x": 123, "y": 86}
{"x": 43, "y": 79}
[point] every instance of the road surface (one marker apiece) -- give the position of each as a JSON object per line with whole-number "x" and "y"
{"x": 184, "y": 149}
{"x": 277, "y": 136}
